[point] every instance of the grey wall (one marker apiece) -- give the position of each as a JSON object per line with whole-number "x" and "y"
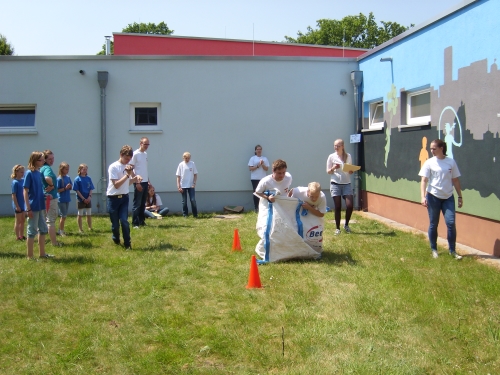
{"x": 216, "y": 108}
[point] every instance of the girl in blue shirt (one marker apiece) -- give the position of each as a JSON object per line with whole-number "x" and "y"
{"x": 17, "y": 177}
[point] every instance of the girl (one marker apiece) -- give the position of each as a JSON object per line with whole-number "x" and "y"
{"x": 83, "y": 186}
{"x": 34, "y": 200}
{"x": 153, "y": 205}
{"x": 340, "y": 184}
{"x": 17, "y": 177}
{"x": 63, "y": 194}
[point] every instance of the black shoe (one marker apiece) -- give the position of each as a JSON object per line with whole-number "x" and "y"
{"x": 117, "y": 242}
{"x": 128, "y": 247}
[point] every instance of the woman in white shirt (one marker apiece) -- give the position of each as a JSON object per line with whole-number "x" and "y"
{"x": 258, "y": 166}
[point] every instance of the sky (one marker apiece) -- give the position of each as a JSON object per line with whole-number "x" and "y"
{"x": 68, "y": 27}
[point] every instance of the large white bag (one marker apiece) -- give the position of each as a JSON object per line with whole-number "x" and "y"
{"x": 287, "y": 231}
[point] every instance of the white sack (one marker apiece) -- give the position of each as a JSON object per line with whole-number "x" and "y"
{"x": 286, "y": 233}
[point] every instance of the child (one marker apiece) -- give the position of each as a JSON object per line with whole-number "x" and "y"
{"x": 34, "y": 200}
{"x": 121, "y": 175}
{"x": 187, "y": 174}
{"x": 83, "y": 187}
{"x": 63, "y": 194}
{"x": 153, "y": 205}
{"x": 18, "y": 200}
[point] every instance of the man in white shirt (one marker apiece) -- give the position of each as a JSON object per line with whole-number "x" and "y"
{"x": 140, "y": 164}
{"x": 187, "y": 174}
{"x": 280, "y": 181}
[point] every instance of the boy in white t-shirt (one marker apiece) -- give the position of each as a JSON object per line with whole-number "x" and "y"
{"x": 280, "y": 180}
{"x": 187, "y": 174}
{"x": 312, "y": 196}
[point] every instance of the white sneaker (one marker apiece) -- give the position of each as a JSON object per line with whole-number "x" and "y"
{"x": 456, "y": 256}
{"x": 434, "y": 254}
{"x": 337, "y": 232}
{"x": 347, "y": 229}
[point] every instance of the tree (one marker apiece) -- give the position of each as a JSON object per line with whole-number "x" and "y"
{"x": 5, "y": 47}
{"x": 351, "y": 31}
{"x": 141, "y": 28}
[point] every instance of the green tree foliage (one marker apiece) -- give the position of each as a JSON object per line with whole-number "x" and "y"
{"x": 5, "y": 47}
{"x": 351, "y": 31}
{"x": 141, "y": 28}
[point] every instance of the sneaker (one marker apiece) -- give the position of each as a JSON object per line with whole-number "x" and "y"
{"x": 434, "y": 254}
{"x": 61, "y": 233}
{"x": 117, "y": 242}
{"x": 136, "y": 227}
{"x": 456, "y": 256}
{"x": 337, "y": 232}
{"x": 47, "y": 256}
{"x": 57, "y": 244}
{"x": 128, "y": 247}
{"x": 347, "y": 229}
{"x": 80, "y": 231}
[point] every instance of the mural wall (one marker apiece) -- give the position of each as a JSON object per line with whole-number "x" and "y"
{"x": 465, "y": 113}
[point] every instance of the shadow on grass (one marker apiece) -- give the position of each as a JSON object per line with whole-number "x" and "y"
{"x": 338, "y": 258}
{"x": 79, "y": 259}
{"x": 12, "y": 255}
{"x": 159, "y": 247}
{"x": 390, "y": 233}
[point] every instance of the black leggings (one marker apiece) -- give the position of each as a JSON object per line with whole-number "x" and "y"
{"x": 338, "y": 208}
{"x": 256, "y": 200}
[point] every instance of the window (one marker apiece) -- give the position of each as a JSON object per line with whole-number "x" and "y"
{"x": 418, "y": 108}
{"x": 377, "y": 115}
{"x": 17, "y": 116}
{"x": 145, "y": 116}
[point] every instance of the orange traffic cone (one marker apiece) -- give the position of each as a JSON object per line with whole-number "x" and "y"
{"x": 253, "y": 277}
{"x": 236, "y": 241}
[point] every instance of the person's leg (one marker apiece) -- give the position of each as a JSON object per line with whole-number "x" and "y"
{"x": 31, "y": 233}
{"x": 123, "y": 217}
{"x": 51, "y": 221}
{"x": 164, "y": 211}
{"x": 256, "y": 200}
{"x": 79, "y": 219}
{"x": 148, "y": 214}
{"x": 136, "y": 204}
{"x": 89, "y": 218}
{"x": 142, "y": 207}
{"x": 433, "y": 208}
{"x": 19, "y": 225}
{"x": 348, "y": 208}
{"x": 113, "y": 217}
{"x": 192, "y": 198}
{"x": 184, "y": 203}
{"x": 42, "y": 231}
{"x": 448, "y": 209}
{"x": 22, "y": 221}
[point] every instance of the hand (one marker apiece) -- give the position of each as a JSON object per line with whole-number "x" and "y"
{"x": 68, "y": 186}
{"x": 271, "y": 198}
{"x": 460, "y": 202}
{"x": 30, "y": 214}
{"x": 261, "y": 162}
{"x": 306, "y": 206}
{"x": 351, "y": 172}
{"x": 337, "y": 166}
{"x": 180, "y": 189}
{"x": 138, "y": 186}
{"x": 424, "y": 202}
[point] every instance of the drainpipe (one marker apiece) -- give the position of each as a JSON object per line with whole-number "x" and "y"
{"x": 357, "y": 80}
{"x": 102, "y": 78}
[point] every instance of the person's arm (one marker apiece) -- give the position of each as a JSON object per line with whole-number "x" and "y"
{"x": 331, "y": 167}
{"x": 265, "y": 166}
{"x": 179, "y": 184}
{"x": 423, "y": 186}
{"x": 195, "y": 177}
{"x": 312, "y": 210}
{"x": 16, "y": 204}
{"x": 270, "y": 198}
{"x": 49, "y": 182}
{"x": 60, "y": 190}
{"x": 27, "y": 203}
{"x": 456, "y": 183}
{"x": 117, "y": 183}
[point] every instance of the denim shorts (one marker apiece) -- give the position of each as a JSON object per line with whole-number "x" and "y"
{"x": 37, "y": 224}
{"x": 63, "y": 208}
{"x": 340, "y": 190}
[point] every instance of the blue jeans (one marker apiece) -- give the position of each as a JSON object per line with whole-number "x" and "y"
{"x": 192, "y": 198}
{"x": 118, "y": 214}
{"x": 163, "y": 212}
{"x": 139, "y": 204}
{"x": 447, "y": 207}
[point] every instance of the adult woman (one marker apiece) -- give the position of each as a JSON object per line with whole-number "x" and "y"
{"x": 258, "y": 166}
{"x": 49, "y": 179}
{"x": 153, "y": 204}
{"x": 340, "y": 183}
{"x": 439, "y": 175}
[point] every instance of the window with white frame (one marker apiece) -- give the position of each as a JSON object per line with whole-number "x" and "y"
{"x": 377, "y": 115}
{"x": 17, "y": 116}
{"x": 418, "y": 107}
{"x": 145, "y": 116}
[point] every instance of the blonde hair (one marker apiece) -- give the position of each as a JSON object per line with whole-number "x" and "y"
{"x": 186, "y": 154}
{"x": 313, "y": 187}
{"x": 344, "y": 154}
{"x": 80, "y": 167}
{"x": 35, "y": 155}
{"x": 16, "y": 168}
{"x": 62, "y": 166}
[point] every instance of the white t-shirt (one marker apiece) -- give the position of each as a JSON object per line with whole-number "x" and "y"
{"x": 140, "y": 163}
{"x": 301, "y": 193}
{"x": 338, "y": 176}
{"x": 186, "y": 171}
{"x": 259, "y": 173}
{"x": 115, "y": 172}
{"x": 440, "y": 172}
{"x": 269, "y": 183}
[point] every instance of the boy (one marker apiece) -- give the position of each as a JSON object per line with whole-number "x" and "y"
{"x": 279, "y": 180}
{"x": 312, "y": 196}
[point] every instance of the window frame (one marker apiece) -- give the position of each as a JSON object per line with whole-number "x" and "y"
{"x": 21, "y": 129}
{"x": 372, "y": 110}
{"x": 421, "y": 120}
{"x": 145, "y": 128}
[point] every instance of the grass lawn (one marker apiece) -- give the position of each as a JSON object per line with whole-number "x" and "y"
{"x": 377, "y": 303}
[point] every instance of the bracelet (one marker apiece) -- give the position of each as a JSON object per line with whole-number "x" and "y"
{"x": 459, "y": 197}
{"x": 28, "y": 210}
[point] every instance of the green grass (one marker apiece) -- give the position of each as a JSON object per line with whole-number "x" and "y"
{"x": 377, "y": 303}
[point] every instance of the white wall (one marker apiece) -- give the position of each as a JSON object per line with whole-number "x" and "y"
{"x": 216, "y": 108}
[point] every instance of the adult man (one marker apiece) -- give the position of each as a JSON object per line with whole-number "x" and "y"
{"x": 312, "y": 196}
{"x": 280, "y": 180}
{"x": 140, "y": 164}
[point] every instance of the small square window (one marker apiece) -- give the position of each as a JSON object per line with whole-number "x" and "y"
{"x": 17, "y": 116}
{"x": 418, "y": 111}
{"x": 145, "y": 116}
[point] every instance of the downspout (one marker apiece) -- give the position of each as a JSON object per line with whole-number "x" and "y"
{"x": 357, "y": 80}
{"x": 102, "y": 78}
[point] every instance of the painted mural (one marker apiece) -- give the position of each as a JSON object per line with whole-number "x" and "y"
{"x": 465, "y": 113}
